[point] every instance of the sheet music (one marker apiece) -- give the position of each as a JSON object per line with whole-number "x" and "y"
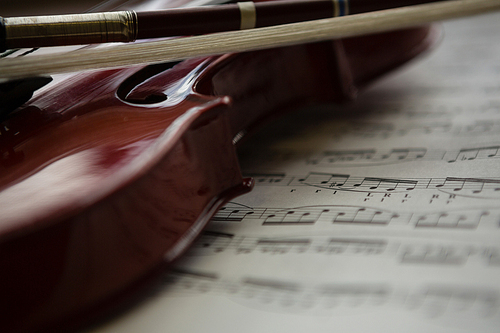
{"x": 379, "y": 216}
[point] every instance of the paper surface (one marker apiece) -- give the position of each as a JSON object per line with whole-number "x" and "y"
{"x": 386, "y": 220}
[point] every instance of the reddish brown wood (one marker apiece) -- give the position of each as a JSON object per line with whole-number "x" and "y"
{"x": 105, "y": 182}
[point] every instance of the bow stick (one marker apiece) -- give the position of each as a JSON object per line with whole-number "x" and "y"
{"x": 127, "y": 26}
{"x": 243, "y": 40}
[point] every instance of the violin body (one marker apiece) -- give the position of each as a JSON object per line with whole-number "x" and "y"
{"x": 106, "y": 177}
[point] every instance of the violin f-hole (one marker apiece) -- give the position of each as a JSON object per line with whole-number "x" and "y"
{"x": 127, "y": 91}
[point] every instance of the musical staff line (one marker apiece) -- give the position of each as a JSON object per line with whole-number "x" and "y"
{"x": 460, "y": 186}
{"x": 437, "y": 255}
{"x": 448, "y": 110}
{"x": 434, "y": 300}
{"x": 404, "y": 252}
{"x": 361, "y": 215}
{"x": 386, "y": 130}
{"x": 372, "y": 157}
{"x": 280, "y": 246}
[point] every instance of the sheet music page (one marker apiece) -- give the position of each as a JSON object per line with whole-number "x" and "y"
{"x": 378, "y": 216}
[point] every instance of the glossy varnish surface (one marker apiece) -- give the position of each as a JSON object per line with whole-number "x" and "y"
{"x": 109, "y": 175}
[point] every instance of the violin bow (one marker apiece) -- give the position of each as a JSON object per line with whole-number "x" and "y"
{"x": 128, "y": 26}
{"x": 243, "y": 40}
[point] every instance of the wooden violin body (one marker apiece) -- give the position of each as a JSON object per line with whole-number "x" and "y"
{"x": 106, "y": 177}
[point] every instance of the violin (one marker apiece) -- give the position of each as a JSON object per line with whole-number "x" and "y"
{"x": 107, "y": 176}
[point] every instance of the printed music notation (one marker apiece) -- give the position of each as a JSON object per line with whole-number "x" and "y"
{"x": 493, "y": 256}
{"x": 379, "y": 122}
{"x": 380, "y": 215}
{"x": 433, "y": 300}
{"x": 449, "y": 110}
{"x": 359, "y": 215}
{"x": 381, "y": 130}
{"x": 387, "y": 130}
{"x": 405, "y": 252}
{"x": 190, "y": 281}
{"x": 212, "y": 243}
{"x": 378, "y": 157}
{"x": 372, "y": 157}
{"x": 439, "y": 255}
{"x": 460, "y": 186}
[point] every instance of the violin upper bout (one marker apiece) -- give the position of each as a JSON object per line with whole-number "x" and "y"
{"x": 265, "y": 83}
{"x": 372, "y": 56}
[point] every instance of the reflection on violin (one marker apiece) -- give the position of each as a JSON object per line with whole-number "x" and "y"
{"x": 107, "y": 176}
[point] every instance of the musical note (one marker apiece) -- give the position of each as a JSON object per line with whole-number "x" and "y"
{"x": 358, "y": 291}
{"x": 268, "y": 291}
{"x": 405, "y": 154}
{"x": 476, "y": 153}
{"x": 233, "y": 213}
{"x": 406, "y": 252}
{"x": 293, "y": 216}
{"x": 470, "y": 186}
{"x": 270, "y": 179}
{"x": 484, "y": 187}
{"x": 368, "y": 157}
{"x": 324, "y": 180}
{"x": 492, "y": 256}
{"x": 466, "y": 186}
{"x": 344, "y": 157}
{"x": 373, "y": 157}
{"x": 271, "y": 284}
{"x": 354, "y": 246}
{"x": 387, "y": 130}
{"x": 211, "y": 241}
{"x": 386, "y": 184}
{"x": 191, "y": 282}
{"x": 364, "y": 215}
{"x": 281, "y": 246}
{"x": 434, "y": 300}
{"x": 286, "y": 245}
{"x": 442, "y": 255}
{"x": 346, "y": 182}
{"x": 309, "y": 215}
{"x": 450, "y": 219}
{"x": 481, "y": 127}
{"x": 272, "y": 245}
{"x": 295, "y": 296}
